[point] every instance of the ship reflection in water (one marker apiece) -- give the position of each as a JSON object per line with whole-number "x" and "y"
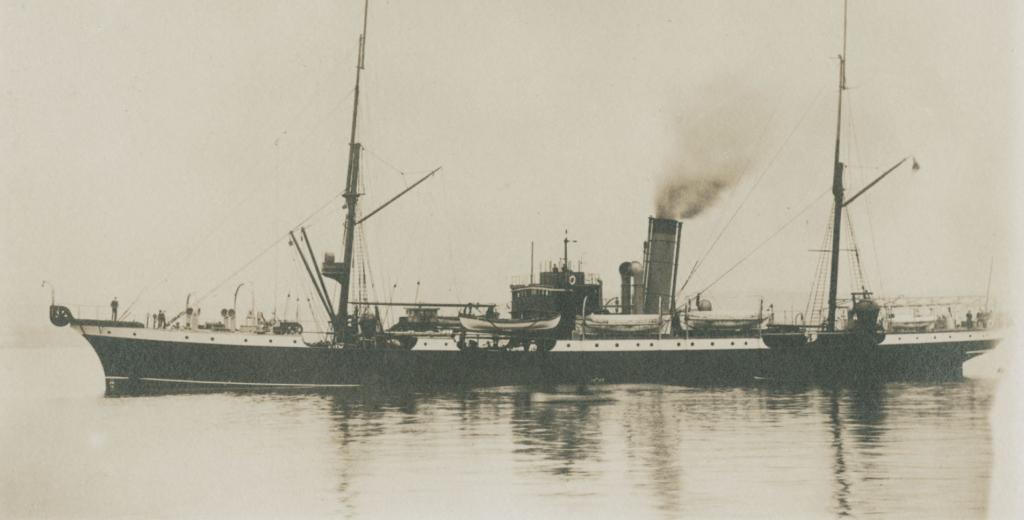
{"x": 894, "y": 450}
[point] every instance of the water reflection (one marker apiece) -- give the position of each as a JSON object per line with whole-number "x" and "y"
{"x": 563, "y": 435}
{"x": 764, "y": 450}
{"x": 671, "y": 451}
{"x": 842, "y": 492}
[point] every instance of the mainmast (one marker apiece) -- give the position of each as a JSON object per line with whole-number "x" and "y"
{"x": 351, "y": 197}
{"x": 837, "y": 192}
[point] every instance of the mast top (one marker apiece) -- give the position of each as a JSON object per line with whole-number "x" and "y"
{"x": 845, "y": 2}
{"x": 362, "y": 37}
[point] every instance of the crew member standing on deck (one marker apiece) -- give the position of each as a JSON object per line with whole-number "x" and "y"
{"x": 113, "y": 309}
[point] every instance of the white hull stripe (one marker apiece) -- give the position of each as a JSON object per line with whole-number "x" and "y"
{"x": 204, "y": 337}
{"x": 231, "y": 383}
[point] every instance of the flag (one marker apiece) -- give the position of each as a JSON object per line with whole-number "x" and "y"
{"x": 915, "y": 166}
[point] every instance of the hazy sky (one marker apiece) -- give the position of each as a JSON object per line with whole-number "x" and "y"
{"x": 155, "y": 147}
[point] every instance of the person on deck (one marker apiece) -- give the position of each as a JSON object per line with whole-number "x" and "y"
{"x": 970, "y": 320}
{"x": 113, "y": 309}
{"x": 161, "y": 320}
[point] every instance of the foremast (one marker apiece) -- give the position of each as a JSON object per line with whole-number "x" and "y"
{"x": 351, "y": 198}
{"x": 837, "y": 192}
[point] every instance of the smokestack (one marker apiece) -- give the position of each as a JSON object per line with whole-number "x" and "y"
{"x": 638, "y": 287}
{"x": 660, "y": 264}
{"x": 626, "y": 272}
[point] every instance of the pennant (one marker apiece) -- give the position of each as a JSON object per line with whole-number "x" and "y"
{"x": 915, "y": 166}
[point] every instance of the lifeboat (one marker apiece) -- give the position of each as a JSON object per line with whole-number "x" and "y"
{"x": 502, "y": 326}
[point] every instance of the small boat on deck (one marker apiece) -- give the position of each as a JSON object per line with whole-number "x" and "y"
{"x": 913, "y": 323}
{"x": 504, "y": 326}
{"x": 623, "y": 324}
{"x": 720, "y": 320}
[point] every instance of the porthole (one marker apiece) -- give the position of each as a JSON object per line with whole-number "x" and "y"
{"x": 712, "y": 343}
{"x": 186, "y": 337}
{"x": 211, "y": 338}
{"x": 445, "y": 344}
{"x": 270, "y": 341}
{"x": 652, "y": 344}
{"x": 744, "y": 342}
{"x": 732, "y": 343}
{"x": 595, "y": 345}
{"x": 567, "y": 345}
{"x": 246, "y": 340}
{"x": 638, "y": 344}
{"x": 691, "y": 343}
{"x": 679, "y": 344}
{"x": 295, "y": 341}
{"x": 134, "y": 334}
{"x": 108, "y": 332}
{"x": 616, "y": 345}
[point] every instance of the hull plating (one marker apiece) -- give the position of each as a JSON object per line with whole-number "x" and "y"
{"x": 130, "y": 362}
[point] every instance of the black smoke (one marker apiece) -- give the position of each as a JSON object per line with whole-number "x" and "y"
{"x": 716, "y": 133}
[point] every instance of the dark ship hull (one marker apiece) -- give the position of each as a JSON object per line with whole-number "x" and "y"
{"x": 219, "y": 362}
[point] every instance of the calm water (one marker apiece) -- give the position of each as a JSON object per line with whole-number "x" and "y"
{"x": 898, "y": 450}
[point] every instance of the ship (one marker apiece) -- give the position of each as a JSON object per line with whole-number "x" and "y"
{"x": 562, "y": 329}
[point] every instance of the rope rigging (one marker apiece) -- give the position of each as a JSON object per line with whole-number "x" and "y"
{"x": 816, "y": 301}
{"x": 773, "y": 235}
{"x": 767, "y": 167}
{"x": 867, "y": 202}
{"x": 192, "y": 245}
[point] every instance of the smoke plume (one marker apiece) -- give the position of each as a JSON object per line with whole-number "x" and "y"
{"x": 716, "y": 134}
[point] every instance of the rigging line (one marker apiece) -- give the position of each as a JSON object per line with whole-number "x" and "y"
{"x": 867, "y": 205}
{"x": 194, "y": 246}
{"x": 318, "y": 210}
{"x": 198, "y": 231}
{"x": 424, "y": 240}
{"x": 314, "y": 222}
{"x": 448, "y": 223}
{"x": 302, "y": 111}
{"x": 752, "y": 188}
{"x": 304, "y": 288}
{"x": 816, "y": 301}
{"x": 247, "y": 264}
{"x": 254, "y": 167}
{"x": 389, "y": 165}
{"x": 409, "y": 246}
{"x": 818, "y": 282}
{"x": 855, "y": 253}
{"x": 321, "y": 323}
{"x": 750, "y": 159}
{"x": 784, "y": 226}
{"x": 851, "y": 246}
